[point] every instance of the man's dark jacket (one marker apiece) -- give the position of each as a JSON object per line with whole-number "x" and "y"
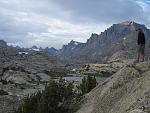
{"x": 141, "y": 38}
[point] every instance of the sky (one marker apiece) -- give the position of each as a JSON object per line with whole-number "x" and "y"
{"x": 53, "y": 23}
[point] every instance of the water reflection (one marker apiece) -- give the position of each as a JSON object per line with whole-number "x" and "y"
{"x": 79, "y": 78}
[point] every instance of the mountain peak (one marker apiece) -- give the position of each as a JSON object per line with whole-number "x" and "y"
{"x": 34, "y": 47}
{"x": 132, "y": 24}
{"x": 127, "y": 23}
{"x": 72, "y": 42}
{"x": 3, "y": 43}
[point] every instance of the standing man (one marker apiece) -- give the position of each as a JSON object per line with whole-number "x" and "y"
{"x": 141, "y": 45}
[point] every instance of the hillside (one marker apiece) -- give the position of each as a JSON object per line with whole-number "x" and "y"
{"x": 23, "y": 73}
{"x": 126, "y": 91}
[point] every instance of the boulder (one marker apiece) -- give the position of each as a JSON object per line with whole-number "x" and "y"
{"x": 43, "y": 77}
{"x": 19, "y": 77}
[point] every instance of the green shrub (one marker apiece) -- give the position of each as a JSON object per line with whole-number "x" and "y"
{"x": 56, "y": 98}
{"x": 88, "y": 83}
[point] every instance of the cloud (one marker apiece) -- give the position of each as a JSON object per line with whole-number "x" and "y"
{"x": 145, "y": 5}
{"x": 106, "y": 11}
{"x": 56, "y": 22}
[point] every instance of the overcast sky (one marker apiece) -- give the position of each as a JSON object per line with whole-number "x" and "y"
{"x": 56, "y": 22}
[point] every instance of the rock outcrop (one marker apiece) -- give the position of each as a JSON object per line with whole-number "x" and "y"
{"x": 126, "y": 91}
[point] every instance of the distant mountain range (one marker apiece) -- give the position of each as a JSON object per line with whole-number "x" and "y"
{"x": 51, "y": 50}
{"x": 33, "y": 57}
{"x": 120, "y": 39}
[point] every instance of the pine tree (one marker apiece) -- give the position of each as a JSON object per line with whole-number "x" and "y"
{"x": 88, "y": 83}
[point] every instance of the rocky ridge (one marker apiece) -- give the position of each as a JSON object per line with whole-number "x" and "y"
{"x": 126, "y": 91}
{"x": 121, "y": 38}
